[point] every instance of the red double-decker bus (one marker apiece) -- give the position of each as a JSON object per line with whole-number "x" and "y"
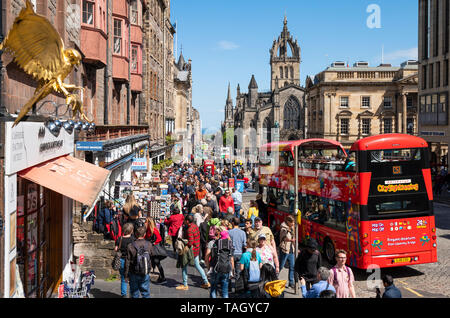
{"x": 374, "y": 201}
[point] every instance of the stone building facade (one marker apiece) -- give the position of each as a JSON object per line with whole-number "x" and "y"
{"x": 434, "y": 72}
{"x": 183, "y": 109}
{"x": 154, "y": 61}
{"x": 35, "y": 259}
{"x": 349, "y": 103}
{"x": 272, "y": 115}
{"x": 196, "y": 138}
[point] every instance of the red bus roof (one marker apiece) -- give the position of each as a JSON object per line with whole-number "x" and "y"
{"x": 389, "y": 141}
{"x": 289, "y": 145}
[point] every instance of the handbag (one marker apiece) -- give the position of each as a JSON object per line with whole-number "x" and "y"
{"x": 117, "y": 256}
{"x": 159, "y": 252}
{"x": 179, "y": 246}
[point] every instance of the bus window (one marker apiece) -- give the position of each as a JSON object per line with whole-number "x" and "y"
{"x": 272, "y": 196}
{"x": 395, "y": 155}
{"x": 286, "y": 159}
{"x": 416, "y": 203}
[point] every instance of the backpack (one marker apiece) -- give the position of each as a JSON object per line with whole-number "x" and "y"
{"x": 335, "y": 282}
{"x": 220, "y": 256}
{"x": 254, "y": 273}
{"x": 114, "y": 230}
{"x": 142, "y": 263}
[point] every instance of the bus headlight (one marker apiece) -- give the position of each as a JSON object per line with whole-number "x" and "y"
{"x": 434, "y": 244}
{"x": 366, "y": 251}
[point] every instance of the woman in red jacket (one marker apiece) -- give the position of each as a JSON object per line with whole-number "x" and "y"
{"x": 154, "y": 237}
{"x": 174, "y": 222}
{"x": 225, "y": 202}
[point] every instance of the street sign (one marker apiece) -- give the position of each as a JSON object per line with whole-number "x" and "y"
{"x": 90, "y": 146}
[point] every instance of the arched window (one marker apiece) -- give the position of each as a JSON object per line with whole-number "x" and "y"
{"x": 281, "y": 71}
{"x": 267, "y": 130}
{"x": 286, "y": 72}
{"x": 291, "y": 114}
{"x": 292, "y": 72}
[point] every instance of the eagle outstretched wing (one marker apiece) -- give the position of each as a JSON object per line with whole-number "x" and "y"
{"x": 35, "y": 44}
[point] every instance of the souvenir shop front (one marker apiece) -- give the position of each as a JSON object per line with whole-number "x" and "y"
{"x": 41, "y": 181}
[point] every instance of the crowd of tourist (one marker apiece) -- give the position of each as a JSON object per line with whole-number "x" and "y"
{"x": 231, "y": 247}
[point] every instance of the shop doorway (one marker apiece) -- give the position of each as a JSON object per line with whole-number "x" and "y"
{"x": 39, "y": 238}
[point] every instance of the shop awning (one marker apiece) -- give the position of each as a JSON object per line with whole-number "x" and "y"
{"x": 73, "y": 178}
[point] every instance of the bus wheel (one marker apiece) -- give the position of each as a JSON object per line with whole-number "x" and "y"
{"x": 329, "y": 251}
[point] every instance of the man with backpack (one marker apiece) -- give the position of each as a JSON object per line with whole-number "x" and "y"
{"x": 138, "y": 264}
{"x": 341, "y": 277}
{"x": 221, "y": 263}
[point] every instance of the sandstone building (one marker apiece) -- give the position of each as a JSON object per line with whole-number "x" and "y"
{"x": 434, "y": 48}
{"x": 350, "y": 103}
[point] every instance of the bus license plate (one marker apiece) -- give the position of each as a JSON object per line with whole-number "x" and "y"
{"x": 402, "y": 260}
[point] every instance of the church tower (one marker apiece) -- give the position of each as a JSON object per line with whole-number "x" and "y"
{"x": 285, "y": 60}
{"x": 229, "y": 116}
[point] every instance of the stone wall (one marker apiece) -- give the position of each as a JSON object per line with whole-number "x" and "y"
{"x": 98, "y": 252}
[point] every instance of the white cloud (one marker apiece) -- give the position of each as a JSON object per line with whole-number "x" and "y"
{"x": 227, "y": 45}
{"x": 408, "y": 54}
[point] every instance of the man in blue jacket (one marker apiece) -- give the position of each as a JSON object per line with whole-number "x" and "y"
{"x": 322, "y": 275}
{"x": 390, "y": 291}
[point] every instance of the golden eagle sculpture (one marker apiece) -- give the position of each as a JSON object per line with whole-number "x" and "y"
{"x": 39, "y": 50}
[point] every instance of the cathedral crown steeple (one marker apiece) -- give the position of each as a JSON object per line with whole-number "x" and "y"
{"x": 285, "y": 59}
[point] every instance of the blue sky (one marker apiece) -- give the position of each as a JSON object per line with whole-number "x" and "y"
{"x": 228, "y": 41}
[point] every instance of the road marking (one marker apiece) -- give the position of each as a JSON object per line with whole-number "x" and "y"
{"x": 411, "y": 290}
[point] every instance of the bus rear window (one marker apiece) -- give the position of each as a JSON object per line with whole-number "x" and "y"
{"x": 395, "y": 155}
{"x": 393, "y": 206}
